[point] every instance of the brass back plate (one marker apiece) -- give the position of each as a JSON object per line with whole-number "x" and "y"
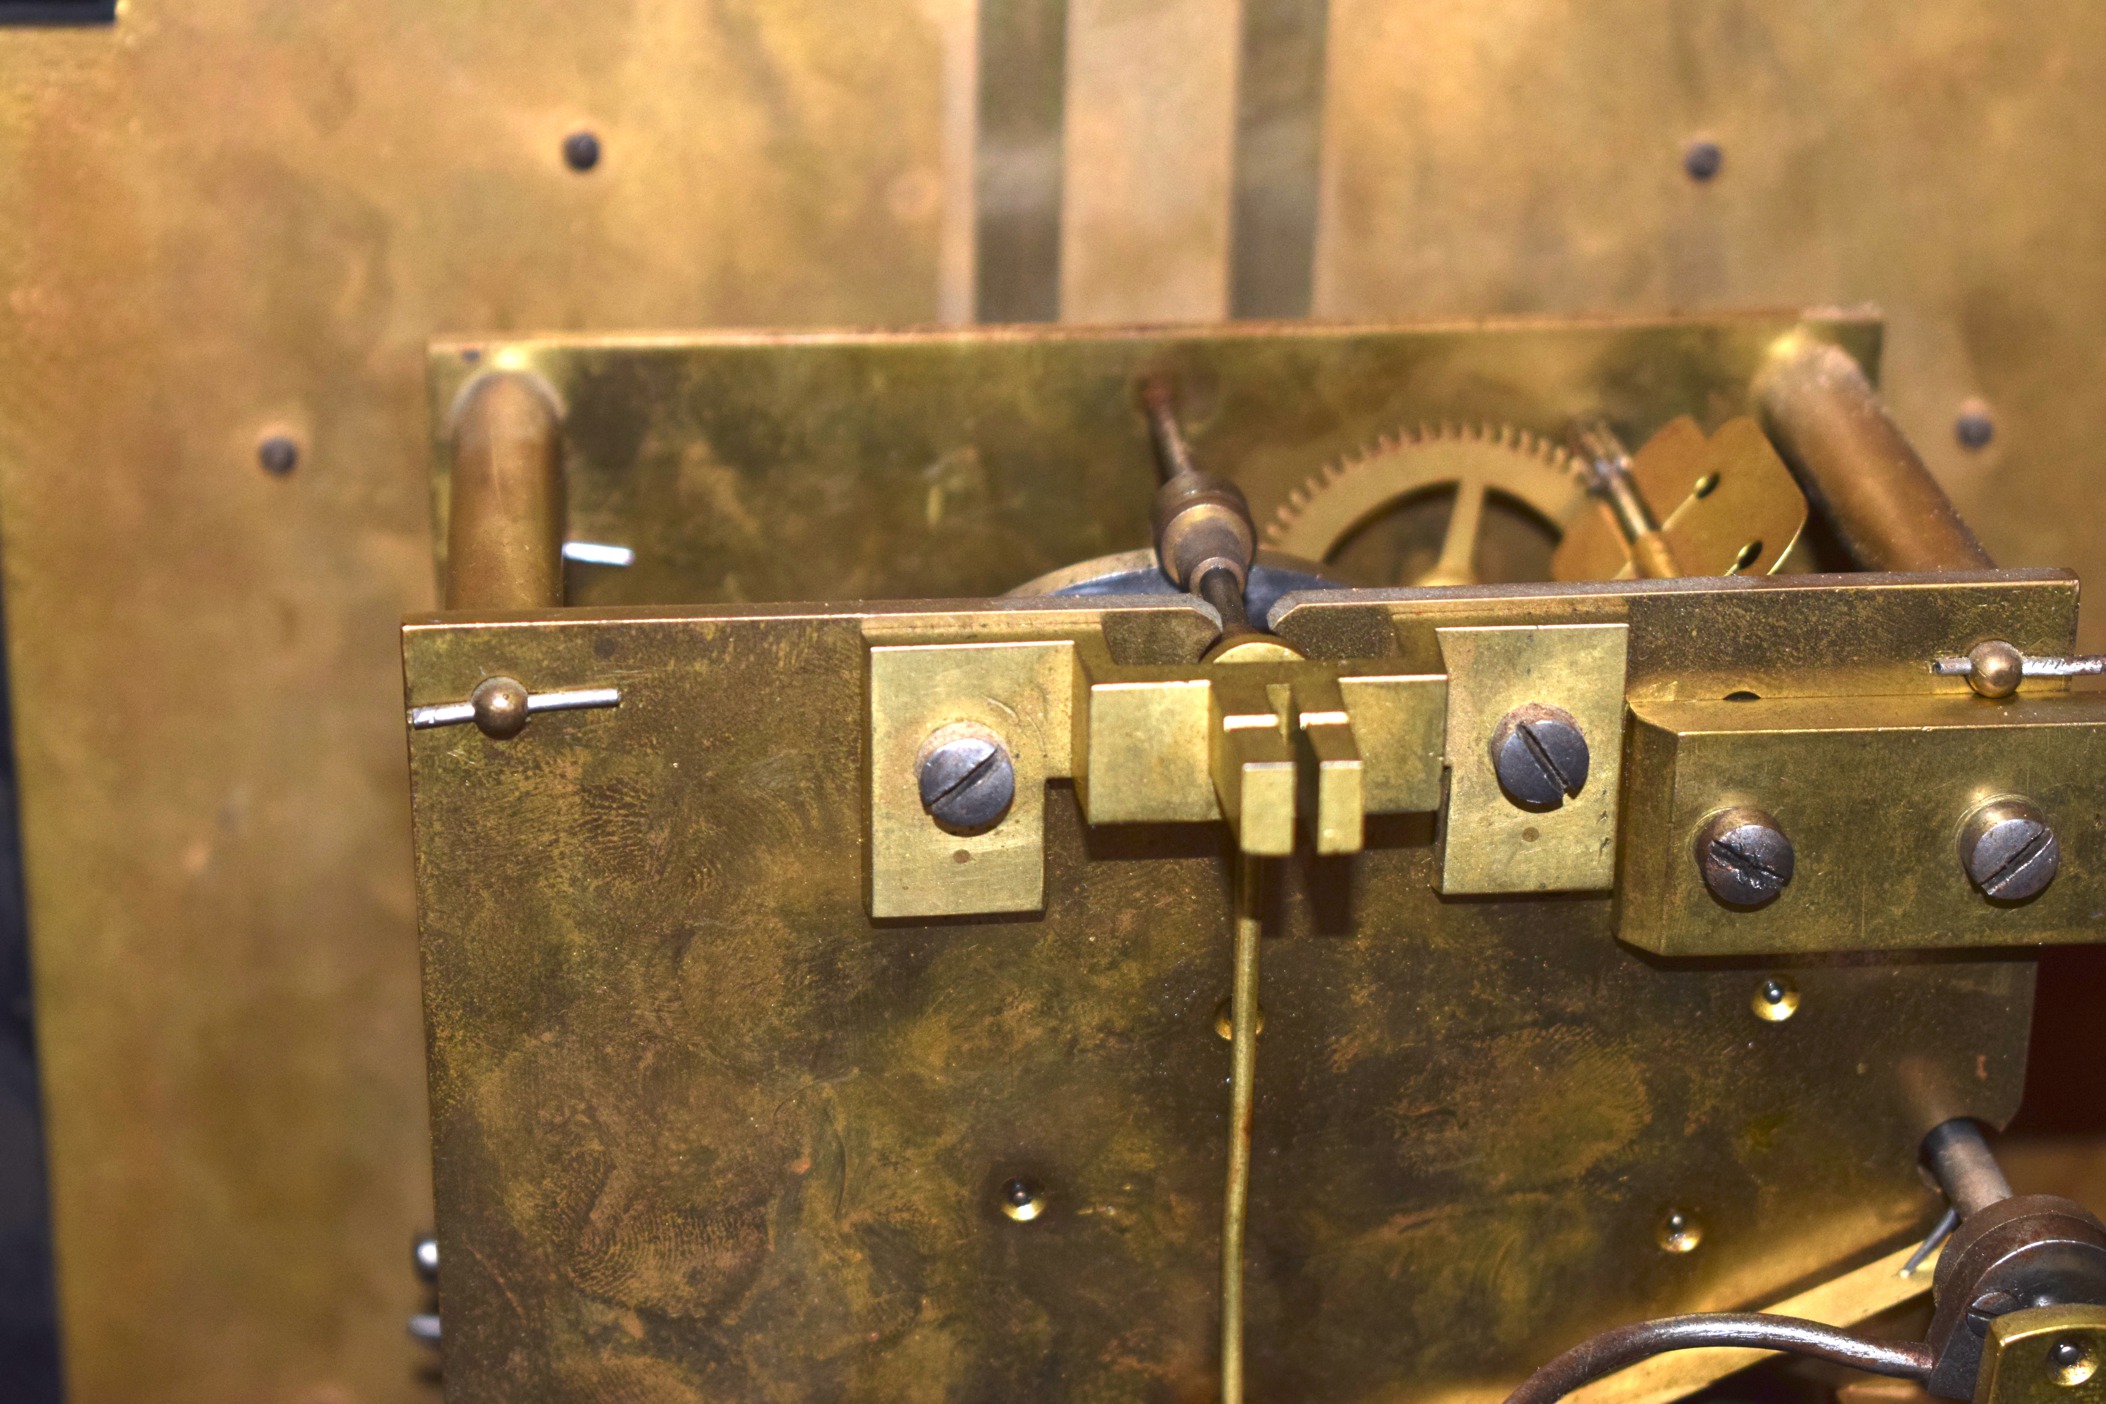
{"x": 781, "y": 466}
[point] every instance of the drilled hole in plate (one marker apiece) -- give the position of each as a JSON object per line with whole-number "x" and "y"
{"x": 1776, "y": 999}
{"x": 1745, "y": 557}
{"x": 2071, "y": 1362}
{"x": 1679, "y": 1232}
{"x": 1705, "y": 486}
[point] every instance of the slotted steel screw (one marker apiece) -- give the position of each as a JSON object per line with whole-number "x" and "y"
{"x": 1540, "y": 755}
{"x": 2009, "y": 851}
{"x": 967, "y": 778}
{"x": 1745, "y": 857}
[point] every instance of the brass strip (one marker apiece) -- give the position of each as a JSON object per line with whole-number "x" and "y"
{"x": 1017, "y": 165}
{"x": 1148, "y": 161}
{"x": 1243, "y": 1076}
{"x": 1279, "y": 154}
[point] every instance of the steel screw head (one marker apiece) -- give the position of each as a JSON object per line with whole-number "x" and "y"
{"x": 500, "y": 707}
{"x": 2009, "y": 851}
{"x": 1540, "y": 756}
{"x": 1995, "y": 668}
{"x": 1744, "y": 856}
{"x": 967, "y": 778}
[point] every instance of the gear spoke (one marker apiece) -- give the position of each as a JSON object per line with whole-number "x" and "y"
{"x": 1458, "y": 559}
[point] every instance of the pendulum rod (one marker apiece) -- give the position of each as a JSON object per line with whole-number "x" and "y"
{"x": 1243, "y": 1053}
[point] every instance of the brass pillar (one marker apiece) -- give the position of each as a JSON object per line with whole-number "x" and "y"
{"x": 1828, "y": 423}
{"x": 504, "y": 542}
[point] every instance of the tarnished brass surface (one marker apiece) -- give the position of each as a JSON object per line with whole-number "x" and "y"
{"x": 1873, "y": 794}
{"x": 1725, "y": 502}
{"x": 1475, "y": 160}
{"x": 1488, "y": 843}
{"x": 232, "y": 218}
{"x": 704, "y": 1126}
{"x": 240, "y": 215}
{"x": 763, "y": 466}
{"x": 2044, "y": 1355}
{"x": 1847, "y": 1300}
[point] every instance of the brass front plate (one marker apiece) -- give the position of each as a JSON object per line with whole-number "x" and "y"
{"x": 1872, "y": 793}
{"x": 705, "y": 1127}
{"x": 781, "y": 466}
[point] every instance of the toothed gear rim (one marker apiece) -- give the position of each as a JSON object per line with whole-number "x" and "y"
{"x": 1319, "y": 516}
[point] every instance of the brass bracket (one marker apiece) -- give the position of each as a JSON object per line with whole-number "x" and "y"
{"x": 1019, "y": 691}
{"x": 2044, "y": 1355}
{"x": 1488, "y": 844}
{"x": 1284, "y": 749}
{"x": 1275, "y": 747}
{"x": 1872, "y": 793}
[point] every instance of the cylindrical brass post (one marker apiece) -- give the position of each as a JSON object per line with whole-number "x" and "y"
{"x": 1830, "y": 427}
{"x": 504, "y": 537}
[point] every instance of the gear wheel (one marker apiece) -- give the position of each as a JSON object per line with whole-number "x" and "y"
{"x": 1472, "y": 461}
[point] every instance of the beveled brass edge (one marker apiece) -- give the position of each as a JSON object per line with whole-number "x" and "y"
{"x": 1064, "y": 610}
{"x": 1612, "y": 590}
{"x": 1844, "y": 320}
